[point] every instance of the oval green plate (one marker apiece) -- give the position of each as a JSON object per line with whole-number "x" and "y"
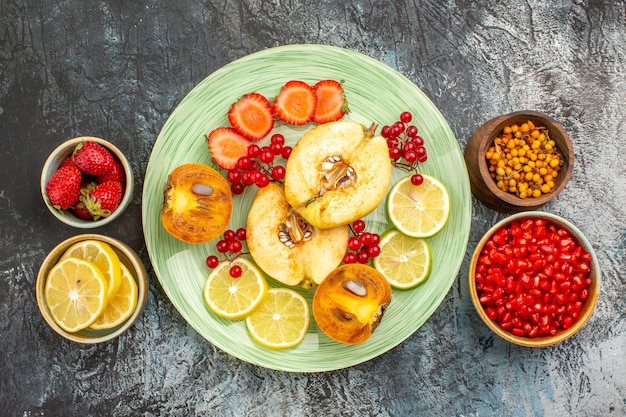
{"x": 375, "y": 93}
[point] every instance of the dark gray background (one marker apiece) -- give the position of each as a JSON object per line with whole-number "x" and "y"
{"x": 117, "y": 69}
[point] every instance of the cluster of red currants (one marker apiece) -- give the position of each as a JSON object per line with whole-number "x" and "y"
{"x": 257, "y": 167}
{"x": 362, "y": 245}
{"x": 406, "y": 146}
{"x": 231, "y": 245}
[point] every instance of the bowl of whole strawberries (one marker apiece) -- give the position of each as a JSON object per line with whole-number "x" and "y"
{"x": 534, "y": 279}
{"x": 87, "y": 182}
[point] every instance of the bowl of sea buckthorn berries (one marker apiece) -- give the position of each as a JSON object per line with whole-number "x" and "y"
{"x": 86, "y": 182}
{"x": 519, "y": 161}
{"x": 534, "y": 279}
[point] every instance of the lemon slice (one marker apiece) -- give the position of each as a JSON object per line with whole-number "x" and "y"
{"x": 281, "y": 321}
{"x": 103, "y": 256}
{"x": 418, "y": 210}
{"x": 405, "y": 261}
{"x": 75, "y": 293}
{"x": 235, "y": 298}
{"x": 121, "y": 306}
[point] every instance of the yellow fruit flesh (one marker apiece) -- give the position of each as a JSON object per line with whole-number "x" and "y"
{"x": 75, "y": 293}
{"x": 418, "y": 211}
{"x": 103, "y": 256}
{"x": 326, "y": 207}
{"x": 307, "y": 261}
{"x": 281, "y": 321}
{"x": 121, "y": 306}
{"x": 235, "y": 298}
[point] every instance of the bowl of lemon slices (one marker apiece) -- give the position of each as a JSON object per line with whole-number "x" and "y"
{"x": 91, "y": 288}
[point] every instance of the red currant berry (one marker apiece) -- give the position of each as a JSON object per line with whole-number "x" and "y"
{"x": 406, "y": 117}
{"x": 410, "y": 156}
{"x": 222, "y": 246}
{"x": 358, "y": 225}
{"x": 241, "y": 233}
{"x": 395, "y": 153}
{"x": 362, "y": 257}
{"x": 267, "y": 156}
{"x": 233, "y": 176}
{"x": 278, "y": 172}
{"x": 277, "y": 138}
{"x": 235, "y": 271}
{"x": 244, "y": 163}
{"x": 354, "y": 243}
{"x": 263, "y": 181}
{"x": 375, "y": 239}
{"x": 286, "y": 152}
{"x": 373, "y": 251}
{"x": 229, "y": 235}
{"x": 235, "y": 246}
{"x": 276, "y": 148}
{"x": 254, "y": 150}
{"x": 411, "y": 131}
{"x": 237, "y": 188}
{"x": 366, "y": 238}
{"x": 349, "y": 258}
{"x": 418, "y": 141}
{"x": 417, "y": 179}
{"x": 384, "y": 132}
{"x": 246, "y": 178}
{"x": 212, "y": 261}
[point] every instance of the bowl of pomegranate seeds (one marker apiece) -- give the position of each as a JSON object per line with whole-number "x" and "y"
{"x": 519, "y": 161}
{"x": 534, "y": 279}
{"x": 87, "y": 182}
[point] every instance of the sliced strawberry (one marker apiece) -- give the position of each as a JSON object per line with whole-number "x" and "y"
{"x": 227, "y": 146}
{"x": 331, "y": 101}
{"x": 251, "y": 116}
{"x": 63, "y": 187}
{"x": 296, "y": 102}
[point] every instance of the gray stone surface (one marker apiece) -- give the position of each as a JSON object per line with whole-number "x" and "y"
{"x": 117, "y": 69}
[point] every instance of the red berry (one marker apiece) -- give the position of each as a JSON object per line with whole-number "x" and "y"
{"x": 63, "y": 187}
{"x": 244, "y": 163}
{"x": 349, "y": 258}
{"x": 93, "y": 159}
{"x": 222, "y": 246}
{"x": 362, "y": 257}
{"x": 417, "y": 179}
{"x": 406, "y": 117}
{"x": 358, "y": 225}
{"x": 229, "y": 235}
{"x": 241, "y": 233}
{"x": 354, "y": 243}
{"x": 233, "y": 176}
{"x": 263, "y": 181}
{"x": 276, "y": 148}
{"x": 235, "y": 271}
{"x": 235, "y": 246}
{"x": 384, "y": 132}
{"x": 286, "y": 152}
{"x": 103, "y": 199}
{"x": 395, "y": 153}
{"x": 212, "y": 261}
{"x": 254, "y": 150}
{"x": 237, "y": 188}
{"x": 366, "y": 238}
{"x": 116, "y": 174}
{"x": 277, "y": 138}
{"x": 373, "y": 251}
{"x": 267, "y": 156}
{"x": 278, "y": 172}
{"x": 411, "y": 131}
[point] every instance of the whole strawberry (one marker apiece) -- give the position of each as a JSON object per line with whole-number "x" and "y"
{"x": 93, "y": 159}
{"x": 82, "y": 212}
{"x": 103, "y": 199}
{"x": 63, "y": 187}
{"x": 116, "y": 174}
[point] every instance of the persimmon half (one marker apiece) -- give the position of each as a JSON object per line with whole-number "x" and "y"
{"x": 350, "y": 302}
{"x": 197, "y": 203}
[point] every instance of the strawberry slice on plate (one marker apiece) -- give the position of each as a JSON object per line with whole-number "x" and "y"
{"x": 227, "y": 146}
{"x": 331, "y": 101}
{"x": 296, "y": 102}
{"x": 251, "y": 116}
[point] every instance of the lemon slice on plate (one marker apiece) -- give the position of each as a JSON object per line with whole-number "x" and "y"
{"x": 405, "y": 261}
{"x": 76, "y": 293}
{"x": 281, "y": 321}
{"x": 121, "y": 306}
{"x": 235, "y": 298}
{"x": 103, "y": 256}
{"x": 418, "y": 211}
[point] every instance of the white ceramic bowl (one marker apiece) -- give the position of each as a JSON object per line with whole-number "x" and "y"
{"x": 54, "y": 161}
